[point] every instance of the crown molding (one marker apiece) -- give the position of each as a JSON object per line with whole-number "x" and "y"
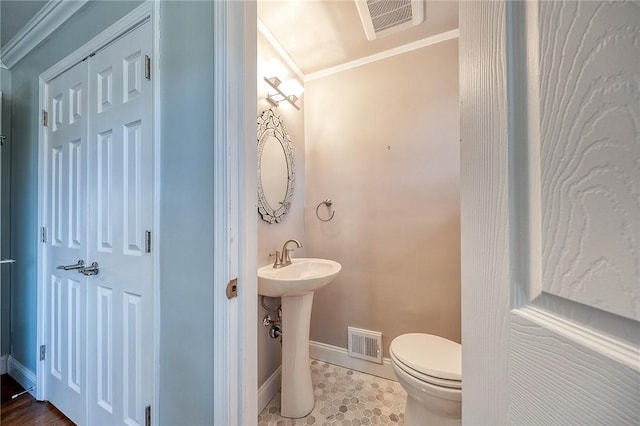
{"x": 43, "y": 23}
{"x": 273, "y": 41}
{"x": 428, "y": 41}
{"x": 3, "y": 66}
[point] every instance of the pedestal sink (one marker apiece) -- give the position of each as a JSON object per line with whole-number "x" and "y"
{"x": 295, "y": 284}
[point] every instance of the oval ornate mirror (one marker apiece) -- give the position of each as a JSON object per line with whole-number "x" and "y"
{"x": 276, "y": 173}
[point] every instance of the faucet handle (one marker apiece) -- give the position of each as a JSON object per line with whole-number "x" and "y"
{"x": 287, "y": 257}
{"x": 278, "y": 261}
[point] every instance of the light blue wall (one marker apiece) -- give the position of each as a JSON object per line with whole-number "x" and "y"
{"x": 14, "y": 14}
{"x": 5, "y": 88}
{"x": 186, "y": 341}
{"x": 84, "y": 25}
{"x": 186, "y": 287}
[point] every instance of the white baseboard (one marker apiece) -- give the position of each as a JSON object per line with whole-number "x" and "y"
{"x": 269, "y": 389}
{"x": 340, "y": 356}
{"x": 3, "y": 364}
{"x": 21, "y": 374}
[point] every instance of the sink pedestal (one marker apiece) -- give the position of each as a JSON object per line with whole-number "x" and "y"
{"x": 296, "y": 389}
{"x": 295, "y": 284}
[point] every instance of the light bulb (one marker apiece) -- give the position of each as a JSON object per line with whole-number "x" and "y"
{"x": 292, "y": 87}
{"x": 274, "y": 68}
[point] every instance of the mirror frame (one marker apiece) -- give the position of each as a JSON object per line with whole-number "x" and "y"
{"x": 271, "y": 124}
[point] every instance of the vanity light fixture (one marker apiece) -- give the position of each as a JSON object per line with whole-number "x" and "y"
{"x": 289, "y": 90}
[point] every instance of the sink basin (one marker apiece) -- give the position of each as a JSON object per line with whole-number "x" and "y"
{"x": 304, "y": 275}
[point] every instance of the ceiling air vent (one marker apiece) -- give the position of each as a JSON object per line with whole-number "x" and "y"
{"x": 382, "y": 17}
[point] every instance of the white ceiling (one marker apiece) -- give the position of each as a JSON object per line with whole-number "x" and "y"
{"x": 319, "y": 34}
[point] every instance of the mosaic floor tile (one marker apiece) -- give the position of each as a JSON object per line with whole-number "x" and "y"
{"x": 344, "y": 398}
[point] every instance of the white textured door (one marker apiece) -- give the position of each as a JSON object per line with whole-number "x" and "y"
{"x": 99, "y": 207}
{"x": 120, "y": 178}
{"x": 66, "y": 290}
{"x": 551, "y": 212}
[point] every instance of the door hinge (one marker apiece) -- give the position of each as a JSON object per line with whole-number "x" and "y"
{"x": 147, "y": 241}
{"x": 45, "y": 118}
{"x": 43, "y": 234}
{"x": 43, "y": 352}
{"x": 147, "y": 415}
{"x": 147, "y": 67}
{"x": 232, "y": 289}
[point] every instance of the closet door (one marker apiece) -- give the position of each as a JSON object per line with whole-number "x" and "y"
{"x": 66, "y": 290}
{"x": 120, "y": 179}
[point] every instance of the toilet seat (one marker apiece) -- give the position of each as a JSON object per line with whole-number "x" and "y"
{"x": 435, "y": 381}
{"x": 429, "y": 358}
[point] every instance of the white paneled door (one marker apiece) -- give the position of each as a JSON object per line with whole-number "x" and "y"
{"x": 66, "y": 305}
{"x": 99, "y": 211}
{"x": 120, "y": 214}
{"x": 551, "y": 212}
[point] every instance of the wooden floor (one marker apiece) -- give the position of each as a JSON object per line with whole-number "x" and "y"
{"x": 25, "y": 410}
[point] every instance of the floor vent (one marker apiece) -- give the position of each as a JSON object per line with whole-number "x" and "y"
{"x": 365, "y": 344}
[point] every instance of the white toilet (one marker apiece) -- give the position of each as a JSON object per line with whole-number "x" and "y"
{"x": 429, "y": 368}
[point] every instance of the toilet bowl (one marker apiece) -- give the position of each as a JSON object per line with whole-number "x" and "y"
{"x": 429, "y": 368}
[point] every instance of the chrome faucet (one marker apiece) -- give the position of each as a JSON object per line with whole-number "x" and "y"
{"x": 284, "y": 259}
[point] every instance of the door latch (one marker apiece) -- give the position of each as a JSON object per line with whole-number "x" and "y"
{"x": 90, "y": 270}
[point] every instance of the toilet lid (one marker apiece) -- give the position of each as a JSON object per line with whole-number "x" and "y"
{"x": 428, "y": 354}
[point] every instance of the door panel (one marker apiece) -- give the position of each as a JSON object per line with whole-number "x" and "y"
{"x": 583, "y": 158}
{"x": 120, "y": 210}
{"x": 66, "y": 242}
{"x": 589, "y": 151}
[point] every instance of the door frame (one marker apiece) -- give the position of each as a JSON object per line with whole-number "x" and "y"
{"x": 147, "y": 11}
{"x": 235, "y": 215}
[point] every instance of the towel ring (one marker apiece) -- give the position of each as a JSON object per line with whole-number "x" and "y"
{"x": 327, "y": 203}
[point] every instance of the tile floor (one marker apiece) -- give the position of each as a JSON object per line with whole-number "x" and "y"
{"x": 345, "y": 398}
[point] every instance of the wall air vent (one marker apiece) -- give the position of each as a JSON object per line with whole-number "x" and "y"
{"x": 365, "y": 344}
{"x": 383, "y": 17}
